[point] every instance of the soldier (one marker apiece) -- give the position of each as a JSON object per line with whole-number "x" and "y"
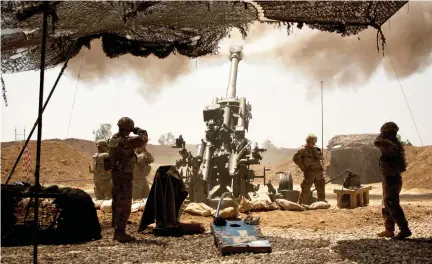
{"x": 121, "y": 160}
{"x": 308, "y": 159}
{"x": 180, "y": 143}
{"x": 392, "y": 164}
{"x": 141, "y": 171}
{"x": 101, "y": 177}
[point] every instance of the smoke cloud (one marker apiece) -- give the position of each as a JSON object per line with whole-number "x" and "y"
{"x": 350, "y": 61}
{"x": 338, "y": 61}
{"x": 154, "y": 73}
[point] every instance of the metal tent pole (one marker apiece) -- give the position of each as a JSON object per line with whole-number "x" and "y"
{"x": 43, "y": 109}
{"x": 39, "y": 136}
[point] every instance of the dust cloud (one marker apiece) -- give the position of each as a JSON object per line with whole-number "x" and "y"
{"x": 338, "y": 61}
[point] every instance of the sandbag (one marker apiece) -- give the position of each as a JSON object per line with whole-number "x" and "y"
{"x": 229, "y": 213}
{"x": 199, "y": 209}
{"x": 263, "y": 205}
{"x": 142, "y": 205}
{"x": 287, "y": 205}
{"x": 138, "y": 205}
{"x": 106, "y": 206}
{"x": 97, "y": 203}
{"x": 255, "y": 206}
{"x": 135, "y": 207}
{"x": 245, "y": 205}
{"x": 319, "y": 205}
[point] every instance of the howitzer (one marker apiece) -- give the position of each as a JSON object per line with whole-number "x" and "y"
{"x": 223, "y": 158}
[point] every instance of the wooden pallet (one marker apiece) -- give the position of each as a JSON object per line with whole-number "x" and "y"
{"x": 238, "y": 237}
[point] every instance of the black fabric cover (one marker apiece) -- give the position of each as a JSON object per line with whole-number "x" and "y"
{"x": 76, "y": 222}
{"x": 167, "y": 195}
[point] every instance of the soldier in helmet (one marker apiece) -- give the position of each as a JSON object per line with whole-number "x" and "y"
{"x": 141, "y": 171}
{"x": 121, "y": 161}
{"x": 101, "y": 176}
{"x": 392, "y": 164}
{"x": 308, "y": 159}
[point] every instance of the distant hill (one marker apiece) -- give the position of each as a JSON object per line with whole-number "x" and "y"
{"x": 68, "y": 160}
{"x": 162, "y": 154}
{"x": 166, "y": 154}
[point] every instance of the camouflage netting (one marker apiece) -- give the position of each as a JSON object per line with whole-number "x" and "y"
{"x": 357, "y": 153}
{"x": 192, "y": 29}
{"x": 69, "y": 218}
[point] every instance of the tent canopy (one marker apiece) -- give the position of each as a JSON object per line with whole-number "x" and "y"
{"x": 189, "y": 28}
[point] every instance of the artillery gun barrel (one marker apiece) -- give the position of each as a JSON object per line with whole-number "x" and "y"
{"x": 235, "y": 57}
{"x": 242, "y": 117}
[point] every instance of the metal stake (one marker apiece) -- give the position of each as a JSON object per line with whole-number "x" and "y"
{"x": 39, "y": 137}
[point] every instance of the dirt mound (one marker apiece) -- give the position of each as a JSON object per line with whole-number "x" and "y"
{"x": 351, "y": 141}
{"x": 67, "y": 160}
{"x": 86, "y": 146}
{"x": 59, "y": 162}
{"x": 419, "y": 170}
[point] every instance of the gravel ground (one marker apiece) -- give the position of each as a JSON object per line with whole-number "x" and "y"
{"x": 291, "y": 244}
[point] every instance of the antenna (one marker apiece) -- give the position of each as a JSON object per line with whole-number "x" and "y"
{"x": 16, "y": 134}
{"x": 322, "y": 118}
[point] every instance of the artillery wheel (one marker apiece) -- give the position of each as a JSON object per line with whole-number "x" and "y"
{"x": 290, "y": 182}
{"x": 284, "y": 181}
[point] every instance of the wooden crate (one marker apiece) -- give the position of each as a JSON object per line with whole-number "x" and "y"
{"x": 358, "y": 197}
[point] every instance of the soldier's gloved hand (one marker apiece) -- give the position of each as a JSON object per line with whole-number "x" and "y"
{"x": 138, "y": 130}
{"x": 135, "y": 130}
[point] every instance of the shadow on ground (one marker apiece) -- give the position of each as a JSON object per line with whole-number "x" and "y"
{"x": 415, "y": 250}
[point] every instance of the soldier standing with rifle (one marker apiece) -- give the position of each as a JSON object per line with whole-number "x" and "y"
{"x": 121, "y": 161}
{"x": 392, "y": 164}
{"x": 308, "y": 159}
{"x": 141, "y": 171}
{"x": 101, "y": 176}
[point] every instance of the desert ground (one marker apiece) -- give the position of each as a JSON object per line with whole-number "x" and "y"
{"x": 317, "y": 236}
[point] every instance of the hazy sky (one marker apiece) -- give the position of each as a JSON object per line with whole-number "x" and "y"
{"x": 283, "y": 109}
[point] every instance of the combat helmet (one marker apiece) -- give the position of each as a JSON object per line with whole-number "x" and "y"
{"x": 311, "y": 138}
{"x": 125, "y": 123}
{"x": 389, "y": 127}
{"x": 102, "y": 143}
{"x": 140, "y": 149}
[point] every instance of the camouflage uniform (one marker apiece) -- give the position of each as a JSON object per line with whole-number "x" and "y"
{"x": 141, "y": 171}
{"x": 101, "y": 177}
{"x": 121, "y": 161}
{"x": 392, "y": 164}
{"x": 308, "y": 159}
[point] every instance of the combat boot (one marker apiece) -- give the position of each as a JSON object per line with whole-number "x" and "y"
{"x": 386, "y": 233}
{"x": 122, "y": 237}
{"x": 404, "y": 233}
